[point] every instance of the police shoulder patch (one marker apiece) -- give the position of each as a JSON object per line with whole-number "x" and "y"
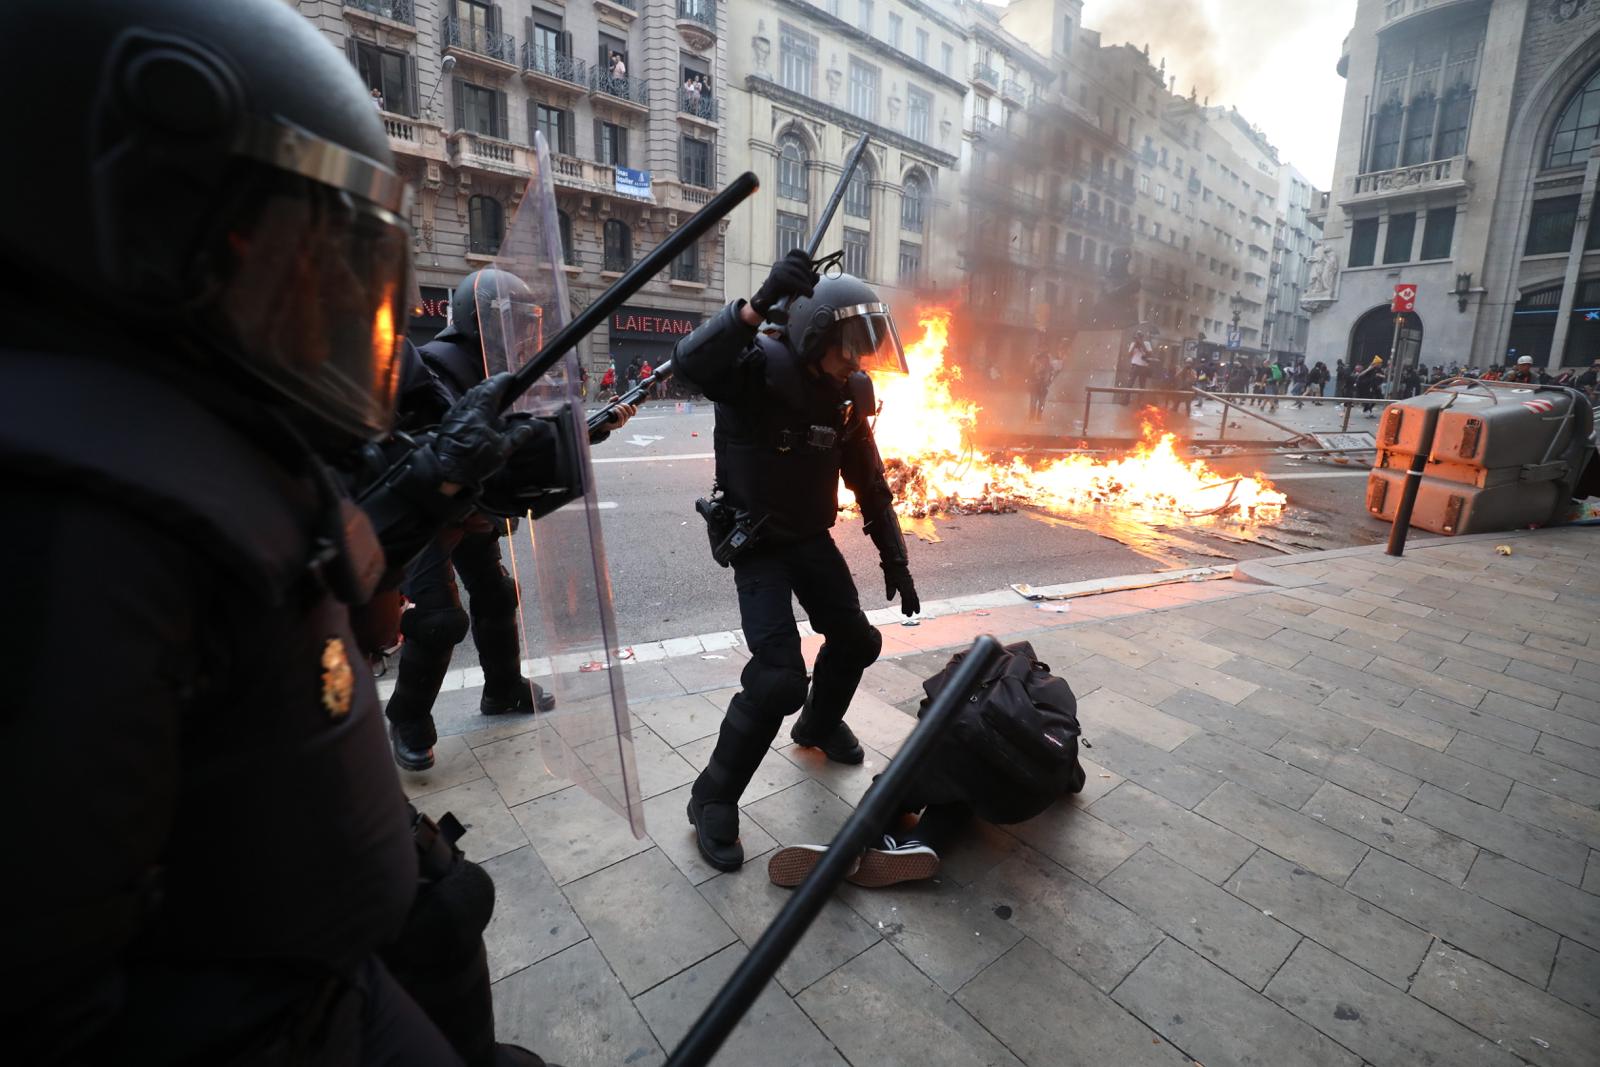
{"x": 338, "y": 679}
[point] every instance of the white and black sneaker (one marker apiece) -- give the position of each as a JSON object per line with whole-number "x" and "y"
{"x": 892, "y": 862}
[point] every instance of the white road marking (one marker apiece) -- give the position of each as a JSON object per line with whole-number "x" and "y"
{"x": 607, "y": 505}
{"x": 654, "y": 459}
{"x": 1310, "y": 475}
{"x": 643, "y": 439}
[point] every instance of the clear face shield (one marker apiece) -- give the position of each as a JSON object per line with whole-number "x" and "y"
{"x": 866, "y": 339}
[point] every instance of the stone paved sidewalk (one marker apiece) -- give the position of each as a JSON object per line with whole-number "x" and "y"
{"x": 1351, "y": 816}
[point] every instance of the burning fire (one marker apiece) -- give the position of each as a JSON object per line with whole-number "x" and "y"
{"x": 924, "y": 435}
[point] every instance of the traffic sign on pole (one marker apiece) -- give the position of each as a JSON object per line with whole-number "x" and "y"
{"x": 1405, "y": 298}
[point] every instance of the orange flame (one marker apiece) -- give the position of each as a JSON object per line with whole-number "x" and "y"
{"x": 924, "y": 434}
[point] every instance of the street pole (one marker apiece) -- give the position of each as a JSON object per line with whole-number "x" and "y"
{"x": 1394, "y": 346}
{"x": 1408, "y": 493}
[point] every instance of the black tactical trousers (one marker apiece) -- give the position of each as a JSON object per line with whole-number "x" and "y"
{"x": 436, "y": 623}
{"x": 770, "y": 578}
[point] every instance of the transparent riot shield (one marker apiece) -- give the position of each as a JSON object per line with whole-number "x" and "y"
{"x": 568, "y": 624}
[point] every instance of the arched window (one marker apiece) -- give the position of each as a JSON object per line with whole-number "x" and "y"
{"x": 792, "y": 182}
{"x": 619, "y": 245}
{"x": 485, "y": 225}
{"x": 857, "y": 195}
{"x": 569, "y": 255}
{"x": 1578, "y": 126}
{"x": 912, "y": 197}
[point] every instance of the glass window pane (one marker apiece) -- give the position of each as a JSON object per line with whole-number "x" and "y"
{"x": 1363, "y": 242}
{"x": 1438, "y": 232}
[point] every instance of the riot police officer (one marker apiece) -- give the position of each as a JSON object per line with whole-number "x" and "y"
{"x": 435, "y": 623}
{"x": 228, "y": 844}
{"x": 792, "y": 417}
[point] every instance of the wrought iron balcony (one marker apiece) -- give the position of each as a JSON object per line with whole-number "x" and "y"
{"x": 548, "y": 63}
{"x": 474, "y": 39}
{"x": 1012, "y": 89}
{"x": 625, "y": 88}
{"x": 699, "y": 105}
{"x": 702, "y": 11}
{"x": 1439, "y": 175}
{"x": 395, "y": 10}
{"x": 983, "y": 74}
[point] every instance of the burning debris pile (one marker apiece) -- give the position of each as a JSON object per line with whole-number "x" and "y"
{"x": 924, "y": 435}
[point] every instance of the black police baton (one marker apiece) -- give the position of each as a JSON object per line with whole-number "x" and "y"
{"x": 698, "y": 225}
{"x": 778, "y": 313}
{"x": 864, "y": 825}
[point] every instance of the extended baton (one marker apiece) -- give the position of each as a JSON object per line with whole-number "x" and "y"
{"x": 864, "y": 825}
{"x": 778, "y": 313}
{"x": 630, "y": 283}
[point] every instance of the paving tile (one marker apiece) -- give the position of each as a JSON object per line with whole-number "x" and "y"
{"x": 1485, "y": 929}
{"x": 519, "y": 768}
{"x": 747, "y": 901}
{"x": 1257, "y": 648}
{"x": 1077, "y": 840}
{"x": 879, "y": 725}
{"x": 1560, "y": 681}
{"x": 1381, "y": 715}
{"x": 1235, "y": 616}
{"x": 1186, "y": 1000}
{"x": 1043, "y": 1012}
{"x": 977, "y": 850}
{"x": 1320, "y": 599}
{"x": 1098, "y": 674}
{"x": 1110, "y": 646}
{"x": 576, "y": 834}
{"x": 774, "y": 1030}
{"x": 1368, "y": 681}
{"x": 1510, "y": 1013}
{"x": 1426, "y": 681}
{"x": 532, "y": 919}
{"x": 454, "y": 763}
{"x": 1199, "y": 844}
{"x": 1306, "y": 624}
{"x": 1081, "y": 926}
{"x": 1508, "y": 684}
{"x": 491, "y": 830}
{"x": 1220, "y": 717}
{"x": 1540, "y": 849}
{"x": 1387, "y": 946}
{"x": 1195, "y": 678}
{"x": 697, "y": 673}
{"x": 1417, "y": 650}
{"x": 1566, "y": 753}
{"x": 1153, "y": 768}
{"x": 1184, "y": 647}
{"x": 1054, "y": 648}
{"x": 1225, "y": 930}
{"x": 804, "y": 814}
{"x": 646, "y": 681}
{"x": 948, "y": 932}
{"x": 891, "y": 682}
{"x": 647, "y": 919}
{"x": 667, "y": 817}
{"x": 1288, "y": 833}
{"x": 775, "y": 772}
{"x": 1579, "y": 707}
{"x": 679, "y": 720}
{"x": 879, "y": 1009}
{"x": 1329, "y": 650}
{"x": 1364, "y": 1013}
{"x": 1527, "y": 651}
{"x": 660, "y": 769}
{"x": 1097, "y": 782}
{"x": 1547, "y": 720}
{"x": 1447, "y": 772}
{"x": 1282, "y": 602}
{"x": 846, "y": 781}
{"x": 571, "y": 1009}
{"x": 1569, "y": 649}
{"x": 1576, "y": 976}
{"x": 1308, "y": 720}
{"x": 1105, "y": 707}
{"x": 1267, "y": 775}
{"x": 1350, "y": 769}
{"x": 1290, "y": 683}
{"x": 1367, "y": 624}
{"x": 1554, "y": 813}
{"x": 1563, "y": 908}
{"x": 1546, "y": 774}
{"x": 1402, "y": 836}
{"x": 1471, "y": 720}
{"x": 1591, "y": 878}
{"x": 1434, "y": 625}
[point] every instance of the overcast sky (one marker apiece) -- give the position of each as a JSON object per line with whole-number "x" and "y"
{"x": 1272, "y": 59}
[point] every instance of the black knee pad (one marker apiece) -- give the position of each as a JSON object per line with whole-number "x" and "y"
{"x": 435, "y": 626}
{"x": 775, "y": 688}
{"x": 856, "y": 644}
{"x": 497, "y": 598}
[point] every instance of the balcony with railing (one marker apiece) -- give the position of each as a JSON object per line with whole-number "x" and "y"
{"x": 985, "y": 76}
{"x": 624, "y": 11}
{"x": 1013, "y": 90}
{"x": 472, "y": 43}
{"x": 418, "y": 138}
{"x": 697, "y": 22}
{"x": 1397, "y": 11}
{"x": 701, "y": 107}
{"x": 384, "y": 12}
{"x": 624, "y": 91}
{"x": 555, "y": 70}
{"x": 1441, "y": 175}
{"x": 476, "y": 151}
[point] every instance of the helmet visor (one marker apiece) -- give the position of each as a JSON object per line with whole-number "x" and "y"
{"x": 868, "y": 339}
{"x": 316, "y": 293}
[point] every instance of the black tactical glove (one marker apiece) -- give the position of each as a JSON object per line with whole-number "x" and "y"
{"x": 897, "y": 579}
{"x": 473, "y": 440}
{"x": 791, "y": 276}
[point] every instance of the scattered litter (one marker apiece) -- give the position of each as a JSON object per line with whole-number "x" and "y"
{"x": 694, "y": 433}
{"x": 626, "y": 653}
{"x": 592, "y": 666}
{"x": 980, "y": 611}
{"x": 880, "y": 924}
{"x": 1504, "y": 550}
{"x": 712, "y": 655}
{"x": 1027, "y": 592}
{"x": 1104, "y": 775}
{"x": 912, "y": 622}
{"x": 1541, "y": 1044}
{"x": 1059, "y": 609}
{"x": 1264, "y": 911}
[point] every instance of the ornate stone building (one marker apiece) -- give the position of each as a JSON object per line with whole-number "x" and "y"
{"x": 1466, "y": 167}
{"x": 463, "y": 85}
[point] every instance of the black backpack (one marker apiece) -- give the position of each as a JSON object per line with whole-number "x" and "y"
{"x": 1012, "y": 750}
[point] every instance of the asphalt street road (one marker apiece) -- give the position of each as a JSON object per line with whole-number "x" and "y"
{"x": 666, "y": 585}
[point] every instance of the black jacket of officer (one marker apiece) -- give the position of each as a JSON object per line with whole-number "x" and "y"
{"x": 222, "y": 843}
{"x": 793, "y": 416}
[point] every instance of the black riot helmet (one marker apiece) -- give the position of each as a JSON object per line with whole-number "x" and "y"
{"x": 844, "y": 310}
{"x": 225, "y": 186}
{"x": 480, "y": 288}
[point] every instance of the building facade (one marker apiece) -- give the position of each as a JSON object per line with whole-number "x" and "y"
{"x": 1295, "y": 236}
{"x": 1466, "y": 167}
{"x": 630, "y": 96}
{"x": 807, "y": 79}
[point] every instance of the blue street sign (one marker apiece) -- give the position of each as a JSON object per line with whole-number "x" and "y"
{"x": 1233, "y": 337}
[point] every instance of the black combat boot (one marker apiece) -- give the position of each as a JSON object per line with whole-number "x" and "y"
{"x": 521, "y": 695}
{"x": 716, "y": 831}
{"x": 838, "y": 743}
{"x": 410, "y": 758}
